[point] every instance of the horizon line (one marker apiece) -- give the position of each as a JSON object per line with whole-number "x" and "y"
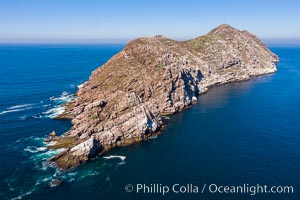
{"x": 111, "y": 41}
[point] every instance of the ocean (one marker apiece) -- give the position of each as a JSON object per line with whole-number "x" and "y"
{"x": 244, "y": 133}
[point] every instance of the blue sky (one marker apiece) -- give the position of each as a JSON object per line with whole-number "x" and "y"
{"x": 44, "y": 21}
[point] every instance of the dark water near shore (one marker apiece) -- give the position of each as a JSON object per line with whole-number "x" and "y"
{"x": 240, "y": 133}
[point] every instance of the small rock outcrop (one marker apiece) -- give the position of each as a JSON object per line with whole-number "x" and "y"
{"x": 52, "y": 134}
{"x": 124, "y": 99}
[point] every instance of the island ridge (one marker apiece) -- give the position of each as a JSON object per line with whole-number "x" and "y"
{"x": 124, "y": 100}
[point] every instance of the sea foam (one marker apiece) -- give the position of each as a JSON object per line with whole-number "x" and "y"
{"x": 58, "y": 109}
{"x": 10, "y": 111}
{"x": 33, "y": 149}
{"x": 47, "y": 154}
{"x": 20, "y": 106}
{"x": 63, "y": 98}
{"x": 115, "y": 156}
{"x": 80, "y": 86}
{"x": 55, "y": 111}
{"x": 17, "y": 108}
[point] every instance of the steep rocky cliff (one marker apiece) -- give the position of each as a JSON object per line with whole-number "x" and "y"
{"x": 124, "y": 99}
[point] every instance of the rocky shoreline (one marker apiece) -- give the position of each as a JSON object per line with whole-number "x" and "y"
{"x": 124, "y": 100}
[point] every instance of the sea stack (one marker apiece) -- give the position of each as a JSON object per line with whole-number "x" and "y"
{"x": 124, "y": 99}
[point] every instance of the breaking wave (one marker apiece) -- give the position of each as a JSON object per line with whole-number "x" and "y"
{"x": 80, "y": 86}
{"x": 47, "y": 154}
{"x": 33, "y": 149}
{"x": 58, "y": 109}
{"x": 115, "y": 156}
{"x": 63, "y": 98}
{"x": 17, "y": 108}
{"x": 55, "y": 111}
{"x": 20, "y": 106}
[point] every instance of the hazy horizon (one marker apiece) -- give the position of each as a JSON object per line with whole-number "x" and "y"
{"x": 117, "y": 21}
{"x": 117, "y": 41}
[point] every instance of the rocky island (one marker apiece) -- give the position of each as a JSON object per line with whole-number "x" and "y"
{"x": 124, "y": 100}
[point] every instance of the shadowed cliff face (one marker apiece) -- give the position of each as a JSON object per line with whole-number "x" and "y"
{"x": 123, "y": 100}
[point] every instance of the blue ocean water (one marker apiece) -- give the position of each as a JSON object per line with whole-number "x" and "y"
{"x": 239, "y": 133}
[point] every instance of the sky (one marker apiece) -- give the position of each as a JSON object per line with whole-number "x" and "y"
{"x": 113, "y": 21}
